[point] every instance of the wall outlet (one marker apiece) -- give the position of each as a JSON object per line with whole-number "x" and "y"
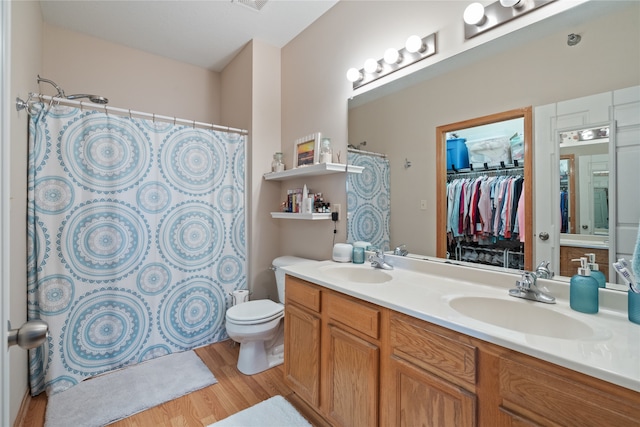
{"x": 423, "y": 205}
{"x": 336, "y": 208}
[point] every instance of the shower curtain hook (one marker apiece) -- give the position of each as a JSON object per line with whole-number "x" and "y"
{"x": 153, "y": 117}
{"x": 81, "y": 106}
{"x": 194, "y": 124}
{"x": 106, "y": 111}
{"x": 174, "y": 120}
{"x": 130, "y": 113}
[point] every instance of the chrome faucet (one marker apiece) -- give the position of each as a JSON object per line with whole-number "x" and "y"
{"x": 527, "y": 287}
{"x": 377, "y": 261}
{"x": 401, "y": 250}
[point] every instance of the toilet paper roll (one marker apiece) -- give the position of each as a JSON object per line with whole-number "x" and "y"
{"x": 240, "y": 296}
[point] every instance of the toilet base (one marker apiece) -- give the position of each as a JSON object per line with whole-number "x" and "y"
{"x": 258, "y": 356}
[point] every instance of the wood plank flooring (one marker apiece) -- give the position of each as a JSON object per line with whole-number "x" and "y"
{"x": 233, "y": 392}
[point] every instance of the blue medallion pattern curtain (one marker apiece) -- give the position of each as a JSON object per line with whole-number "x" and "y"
{"x": 368, "y": 200}
{"x": 136, "y": 238}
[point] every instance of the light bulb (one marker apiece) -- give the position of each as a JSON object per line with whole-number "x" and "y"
{"x": 414, "y": 44}
{"x": 474, "y": 14}
{"x": 512, "y": 3}
{"x": 354, "y": 75}
{"x": 371, "y": 66}
{"x": 392, "y": 56}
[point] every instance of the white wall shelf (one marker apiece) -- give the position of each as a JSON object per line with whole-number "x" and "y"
{"x": 307, "y": 216}
{"x": 313, "y": 170}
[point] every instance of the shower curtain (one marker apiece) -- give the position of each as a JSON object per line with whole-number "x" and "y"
{"x": 368, "y": 200}
{"x": 136, "y": 239}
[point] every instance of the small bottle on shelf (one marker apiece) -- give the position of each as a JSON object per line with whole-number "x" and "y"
{"x": 277, "y": 165}
{"x": 326, "y": 153}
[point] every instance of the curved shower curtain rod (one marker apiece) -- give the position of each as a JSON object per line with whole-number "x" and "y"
{"x": 27, "y": 105}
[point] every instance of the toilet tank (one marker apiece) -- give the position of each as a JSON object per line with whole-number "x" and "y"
{"x": 285, "y": 261}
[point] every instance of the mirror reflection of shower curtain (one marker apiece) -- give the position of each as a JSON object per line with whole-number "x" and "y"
{"x": 136, "y": 233}
{"x": 368, "y": 200}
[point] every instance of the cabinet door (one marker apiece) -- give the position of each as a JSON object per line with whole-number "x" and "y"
{"x": 420, "y": 398}
{"x": 352, "y": 380}
{"x": 302, "y": 353}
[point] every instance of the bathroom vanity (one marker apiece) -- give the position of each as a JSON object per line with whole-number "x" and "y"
{"x": 429, "y": 343}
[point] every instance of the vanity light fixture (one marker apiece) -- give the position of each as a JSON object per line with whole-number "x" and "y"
{"x": 371, "y": 66}
{"x": 392, "y": 56}
{"x": 416, "y": 49}
{"x": 354, "y": 75}
{"x": 474, "y": 14}
{"x": 479, "y": 18}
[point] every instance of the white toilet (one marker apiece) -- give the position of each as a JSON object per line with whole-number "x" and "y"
{"x": 258, "y": 326}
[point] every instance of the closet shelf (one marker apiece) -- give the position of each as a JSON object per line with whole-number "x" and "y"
{"x": 308, "y": 216}
{"x": 313, "y": 170}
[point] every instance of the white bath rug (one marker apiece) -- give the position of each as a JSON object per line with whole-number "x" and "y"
{"x": 119, "y": 394}
{"x": 273, "y": 412}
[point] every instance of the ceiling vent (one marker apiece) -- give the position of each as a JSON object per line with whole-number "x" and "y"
{"x": 256, "y": 5}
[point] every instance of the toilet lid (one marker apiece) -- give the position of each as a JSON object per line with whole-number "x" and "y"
{"x": 256, "y": 311}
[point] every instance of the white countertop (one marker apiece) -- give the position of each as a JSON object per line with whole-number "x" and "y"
{"x": 423, "y": 289}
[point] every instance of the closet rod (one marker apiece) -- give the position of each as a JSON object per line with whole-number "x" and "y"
{"x": 20, "y": 104}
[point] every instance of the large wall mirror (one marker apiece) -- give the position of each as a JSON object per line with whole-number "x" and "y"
{"x": 541, "y": 70}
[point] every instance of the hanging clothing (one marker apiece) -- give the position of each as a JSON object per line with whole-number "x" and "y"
{"x": 485, "y": 207}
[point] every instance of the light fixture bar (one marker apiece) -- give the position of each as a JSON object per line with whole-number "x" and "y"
{"x": 496, "y": 14}
{"x": 405, "y": 59}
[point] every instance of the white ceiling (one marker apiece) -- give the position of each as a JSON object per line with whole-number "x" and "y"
{"x": 206, "y": 33}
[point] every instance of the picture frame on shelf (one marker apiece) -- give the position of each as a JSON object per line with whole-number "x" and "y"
{"x": 306, "y": 150}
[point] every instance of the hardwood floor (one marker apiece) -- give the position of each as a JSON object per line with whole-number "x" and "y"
{"x": 233, "y": 392}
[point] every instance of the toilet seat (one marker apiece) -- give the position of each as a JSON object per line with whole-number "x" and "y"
{"x": 255, "y": 312}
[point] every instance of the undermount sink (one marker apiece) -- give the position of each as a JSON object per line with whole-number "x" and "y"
{"x": 522, "y": 316}
{"x": 364, "y": 274}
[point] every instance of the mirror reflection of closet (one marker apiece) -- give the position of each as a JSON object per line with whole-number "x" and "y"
{"x": 487, "y": 136}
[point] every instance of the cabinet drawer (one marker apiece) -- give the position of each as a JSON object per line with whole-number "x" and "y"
{"x": 543, "y": 393}
{"x": 302, "y": 293}
{"x": 359, "y": 316}
{"x": 412, "y": 340}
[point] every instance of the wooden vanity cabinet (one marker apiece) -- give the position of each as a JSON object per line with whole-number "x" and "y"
{"x": 534, "y": 392}
{"x": 432, "y": 376}
{"x": 359, "y": 364}
{"x": 303, "y": 339}
{"x": 332, "y": 353}
{"x": 351, "y": 360}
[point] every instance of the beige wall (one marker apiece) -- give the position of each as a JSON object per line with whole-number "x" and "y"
{"x": 315, "y": 90}
{"x": 129, "y": 78}
{"x": 251, "y": 100}
{"x": 263, "y": 232}
{"x": 26, "y": 52}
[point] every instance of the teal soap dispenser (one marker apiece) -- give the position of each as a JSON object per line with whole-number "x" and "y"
{"x": 595, "y": 271}
{"x": 583, "y": 289}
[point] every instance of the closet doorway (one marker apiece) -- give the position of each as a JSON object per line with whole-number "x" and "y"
{"x": 494, "y": 151}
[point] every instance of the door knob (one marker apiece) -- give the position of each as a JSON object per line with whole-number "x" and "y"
{"x": 543, "y": 235}
{"x": 30, "y": 335}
